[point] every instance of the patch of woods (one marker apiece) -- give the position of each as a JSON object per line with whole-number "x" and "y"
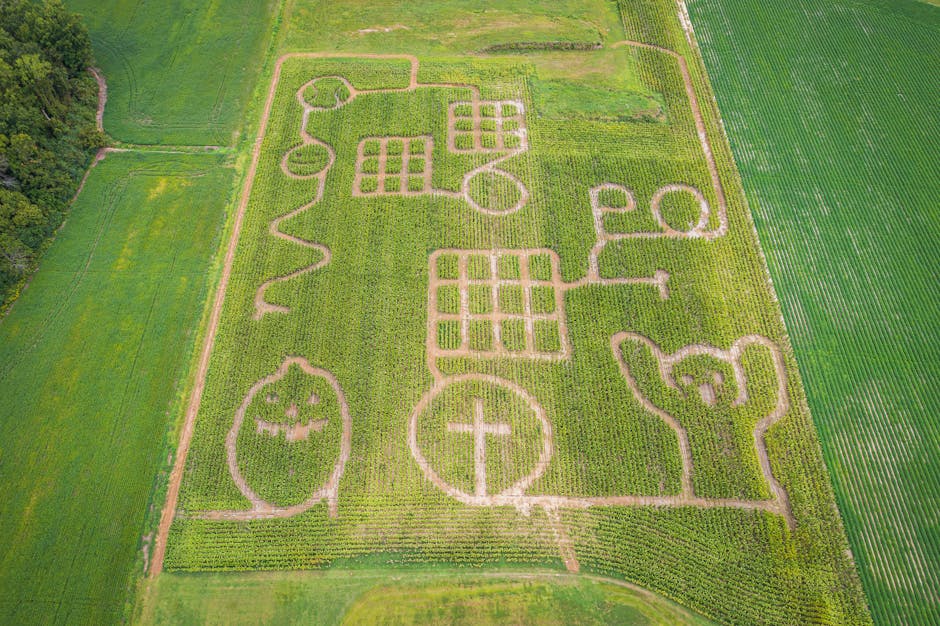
{"x": 48, "y": 134}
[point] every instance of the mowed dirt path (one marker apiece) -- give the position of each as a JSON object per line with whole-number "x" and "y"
{"x": 102, "y": 96}
{"x": 699, "y": 125}
{"x": 99, "y": 123}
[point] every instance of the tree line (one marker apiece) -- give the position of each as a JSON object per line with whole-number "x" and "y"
{"x": 47, "y": 128}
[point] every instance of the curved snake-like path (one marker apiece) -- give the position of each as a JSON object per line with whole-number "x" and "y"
{"x": 192, "y": 409}
{"x": 262, "y": 306}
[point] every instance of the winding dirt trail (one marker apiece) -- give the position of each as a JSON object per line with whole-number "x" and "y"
{"x": 262, "y": 307}
{"x": 700, "y": 128}
{"x": 99, "y": 124}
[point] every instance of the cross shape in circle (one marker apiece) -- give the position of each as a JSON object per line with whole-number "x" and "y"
{"x": 480, "y": 429}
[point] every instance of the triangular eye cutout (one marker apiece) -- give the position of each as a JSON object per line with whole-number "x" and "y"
{"x": 313, "y": 399}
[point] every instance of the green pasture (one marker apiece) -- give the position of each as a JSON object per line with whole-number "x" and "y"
{"x": 178, "y": 72}
{"x": 833, "y": 121}
{"x": 444, "y": 25}
{"x": 92, "y": 362}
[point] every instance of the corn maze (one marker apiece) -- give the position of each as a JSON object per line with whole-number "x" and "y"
{"x": 457, "y": 331}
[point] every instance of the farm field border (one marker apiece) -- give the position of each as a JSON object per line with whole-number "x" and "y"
{"x": 74, "y": 598}
{"x": 99, "y": 156}
{"x": 53, "y": 335}
{"x": 126, "y": 147}
{"x": 173, "y": 85}
{"x": 281, "y": 323}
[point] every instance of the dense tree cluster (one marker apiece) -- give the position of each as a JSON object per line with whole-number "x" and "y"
{"x": 47, "y": 127}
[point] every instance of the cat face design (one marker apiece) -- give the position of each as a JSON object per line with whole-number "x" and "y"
{"x": 709, "y": 386}
{"x": 719, "y": 403}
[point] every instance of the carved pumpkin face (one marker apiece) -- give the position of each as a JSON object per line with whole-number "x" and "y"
{"x": 287, "y": 442}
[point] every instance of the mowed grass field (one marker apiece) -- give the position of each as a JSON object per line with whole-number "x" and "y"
{"x": 834, "y": 123}
{"x": 369, "y": 596}
{"x": 332, "y": 319}
{"x": 179, "y": 72}
{"x": 92, "y": 360}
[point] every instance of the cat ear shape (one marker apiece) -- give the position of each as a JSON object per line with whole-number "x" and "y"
{"x": 720, "y": 404}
